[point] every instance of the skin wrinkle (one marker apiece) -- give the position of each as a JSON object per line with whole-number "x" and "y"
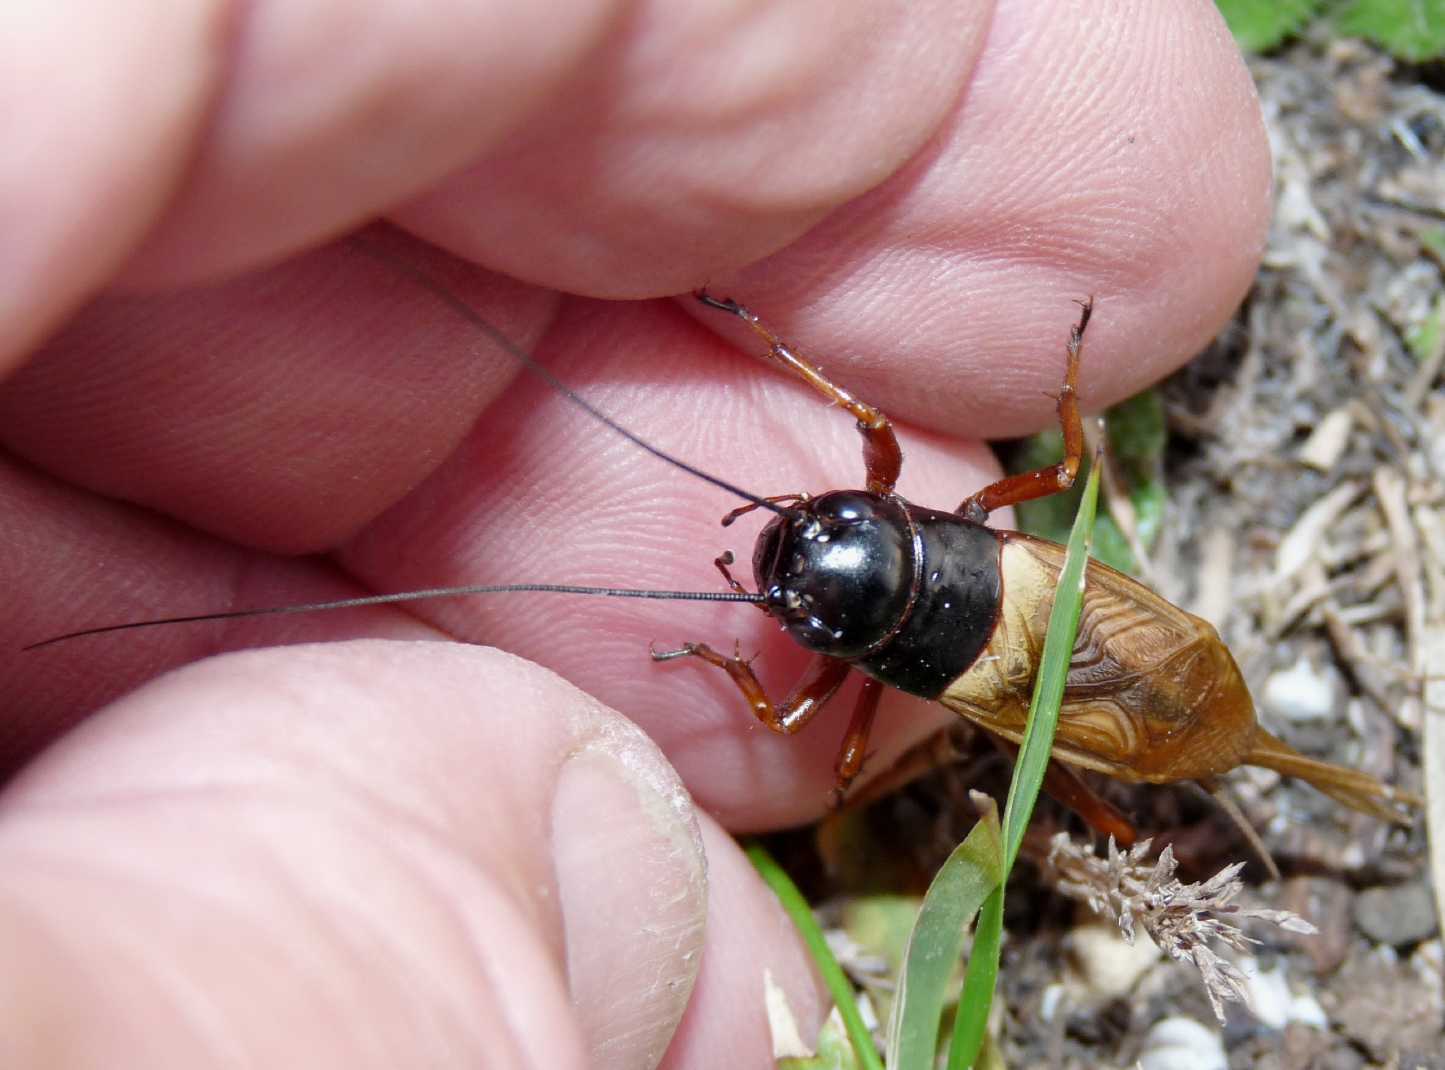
{"x": 495, "y": 974}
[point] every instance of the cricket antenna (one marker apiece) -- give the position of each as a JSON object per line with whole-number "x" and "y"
{"x": 413, "y": 596}
{"x": 426, "y": 282}
{"x": 446, "y": 297}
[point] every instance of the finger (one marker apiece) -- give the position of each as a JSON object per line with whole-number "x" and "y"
{"x": 569, "y": 128}
{"x": 284, "y": 409}
{"x": 443, "y": 843}
{"x": 333, "y": 112}
{"x": 699, "y": 138}
{"x": 97, "y": 137}
{"x": 273, "y": 127}
{"x": 1112, "y": 151}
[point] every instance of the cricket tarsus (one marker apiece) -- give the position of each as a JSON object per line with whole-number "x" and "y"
{"x": 412, "y": 596}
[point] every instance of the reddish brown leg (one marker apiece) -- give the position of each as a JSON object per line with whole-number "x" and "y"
{"x": 1103, "y": 817}
{"x": 854, "y": 751}
{"x": 881, "y": 455}
{"x": 1045, "y": 481}
{"x": 819, "y": 684}
{"x": 1067, "y": 787}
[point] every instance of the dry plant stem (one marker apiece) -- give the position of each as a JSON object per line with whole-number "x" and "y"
{"x": 1390, "y": 490}
{"x": 1220, "y": 794}
{"x": 1367, "y": 670}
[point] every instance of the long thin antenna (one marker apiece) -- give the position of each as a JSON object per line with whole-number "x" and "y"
{"x": 432, "y": 286}
{"x": 466, "y": 312}
{"x": 412, "y": 596}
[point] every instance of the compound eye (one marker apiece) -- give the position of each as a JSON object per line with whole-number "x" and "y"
{"x": 767, "y": 551}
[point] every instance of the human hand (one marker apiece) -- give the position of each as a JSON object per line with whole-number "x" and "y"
{"x": 434, "y": 852}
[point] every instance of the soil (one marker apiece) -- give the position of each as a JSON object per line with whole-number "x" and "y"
{"x": 1306, "y": 479}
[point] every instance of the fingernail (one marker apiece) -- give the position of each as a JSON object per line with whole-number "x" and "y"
{"x": 631, "y": 875}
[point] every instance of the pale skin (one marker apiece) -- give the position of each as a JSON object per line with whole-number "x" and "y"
{"x": 350, "y": 853}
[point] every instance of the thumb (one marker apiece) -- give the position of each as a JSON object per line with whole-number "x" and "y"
{"x": 371, "y": 853}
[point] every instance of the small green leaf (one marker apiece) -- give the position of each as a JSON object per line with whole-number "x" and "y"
{"x": 880, "y": 924}
{"x": 1424, "y": 337}
{"x": 1138, "y": 432}
{"x": 1433, "y": 240}
{"x": 834, "y": 1051}
{"x": 989, "y": 1058}
{"x": 952, "y": 900}
{"x": 1261, "y": 24}
{"x": 1412, "y": 30}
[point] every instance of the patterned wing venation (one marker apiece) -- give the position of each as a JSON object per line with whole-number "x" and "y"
{"x": 1152, "y": 694}
{"x": 1142, "y": 673}
{"x": 1143, "y": 662}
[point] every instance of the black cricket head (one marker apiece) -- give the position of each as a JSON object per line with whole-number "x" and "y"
{"x": 836, "y": 573}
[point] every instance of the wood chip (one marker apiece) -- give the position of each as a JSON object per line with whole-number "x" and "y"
{"x": 1303, "y": 540}
{"x": 1216, "y": 574}
{"x": 1327, "y": 442}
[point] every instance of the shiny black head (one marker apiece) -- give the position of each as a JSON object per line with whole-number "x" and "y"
{"x": 839, "y": 572}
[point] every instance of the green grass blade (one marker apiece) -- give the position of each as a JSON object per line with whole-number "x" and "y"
{"x": 971, "y": 1023}
{"x": 960, "y": 886}
{"x": 1038, "y": 741}
{"x": 972, "y": 1020}
{"x": 833, "y": 976}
